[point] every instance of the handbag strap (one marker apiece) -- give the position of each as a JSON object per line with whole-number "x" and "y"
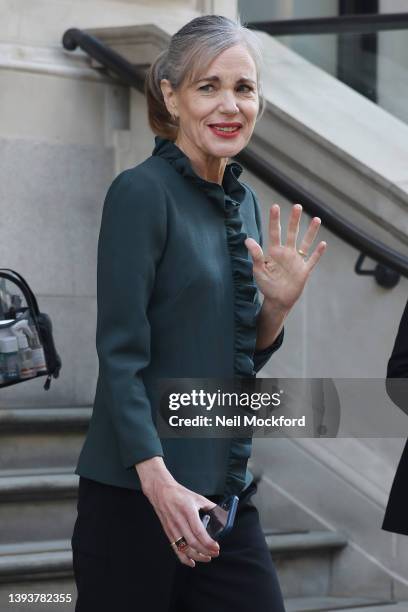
{"x": 27, "y": 287}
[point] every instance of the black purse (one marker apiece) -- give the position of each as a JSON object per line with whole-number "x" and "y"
{"x": 27, "y": 348}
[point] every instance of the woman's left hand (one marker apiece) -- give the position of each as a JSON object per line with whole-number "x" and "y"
{"x": 281, "y": 273}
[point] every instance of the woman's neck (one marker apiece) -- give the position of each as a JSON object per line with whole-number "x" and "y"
{"x": 208, "y": 167}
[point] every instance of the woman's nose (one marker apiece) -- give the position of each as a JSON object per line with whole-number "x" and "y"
{"x": 228, "y": 103}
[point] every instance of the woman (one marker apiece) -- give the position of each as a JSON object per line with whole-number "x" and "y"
{"x": 177, "y": 298}
{"x": 396, "y": 514}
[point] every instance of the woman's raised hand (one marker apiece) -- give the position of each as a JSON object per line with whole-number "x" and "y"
{"x": 282, "y": 271}
{"x": 177, "y": 508}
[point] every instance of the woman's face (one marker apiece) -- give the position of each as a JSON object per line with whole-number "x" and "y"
{"x": 217, "y": 112}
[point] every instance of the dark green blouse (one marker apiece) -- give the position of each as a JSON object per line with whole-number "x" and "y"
{"x": 176, "y": 298}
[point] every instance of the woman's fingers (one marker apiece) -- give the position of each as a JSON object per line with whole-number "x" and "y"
{"x": 291, "y": 236}
{"x": 274, "y": 226}
{"x": 201, "y": 540}
{"x": 293, "y": 226}
{"x": 310, "y": 235}
{"x": 184, "y": 558}
{"x": 178, "y": 511}
{"x": 255, "y": 251}
{"x": 316, "y": 255}
{"x": 192, "y": 553}
{"x": 174, "y": 534}
{"x": 188, "y": 555}
{"x": 201, "y": 547}
{"x": 197, "y": 538}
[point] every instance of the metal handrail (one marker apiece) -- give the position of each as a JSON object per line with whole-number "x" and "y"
{"x": 362, "y": 24}
{"x": 128, "y": 73}
{"x": 348, "y": 232}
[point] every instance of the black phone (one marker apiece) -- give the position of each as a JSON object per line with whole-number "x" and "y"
{"x": 219, "y": 520}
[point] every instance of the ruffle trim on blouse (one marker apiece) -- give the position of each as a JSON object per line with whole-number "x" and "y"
{"x": 245, "y": 316}
{"x": 245, "y": 294}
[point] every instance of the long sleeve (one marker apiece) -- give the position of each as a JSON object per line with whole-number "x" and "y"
{"x": 261, "y": 357}
{"x": 131, "y": 241}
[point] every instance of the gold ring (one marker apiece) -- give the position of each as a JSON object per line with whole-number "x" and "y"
{"x": 181, "y": 543}
{"x": 302, "y": 253}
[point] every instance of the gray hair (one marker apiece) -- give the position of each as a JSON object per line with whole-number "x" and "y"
{"x": 191, "y": 50}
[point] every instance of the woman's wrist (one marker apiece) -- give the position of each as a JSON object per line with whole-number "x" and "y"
{"x": 270, "y": 323}
{"x": 151, "y": 472}
{"x": 272, "y": 308}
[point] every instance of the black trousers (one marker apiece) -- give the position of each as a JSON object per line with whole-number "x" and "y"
{"x": 123, "y": 560}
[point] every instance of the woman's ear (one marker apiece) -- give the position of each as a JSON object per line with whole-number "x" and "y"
{"x": 169, "y": 97}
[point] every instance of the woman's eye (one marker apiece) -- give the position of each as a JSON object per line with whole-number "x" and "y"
{"x": 247, "y": 88}
{"x": 241, "y": 88}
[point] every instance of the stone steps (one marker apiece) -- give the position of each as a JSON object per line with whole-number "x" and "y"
{"x": 283, "y": 544}
{"x": 303, "y": 560}
{"x": 37, "y": 506}
{"x": 27, "y": 561}
{"x": 41, "y": 437}
{"x": 342, "y": 604}
{"x": 36, "y": 567}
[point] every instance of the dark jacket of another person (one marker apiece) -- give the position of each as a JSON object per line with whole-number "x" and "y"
{"x": 396, "y": 515}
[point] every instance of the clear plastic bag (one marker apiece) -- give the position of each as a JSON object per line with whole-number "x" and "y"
{"x": 27, "y": 348}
